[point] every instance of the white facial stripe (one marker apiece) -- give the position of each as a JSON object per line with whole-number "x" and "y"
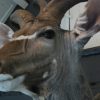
{"x": 33, "y": 36}
{"x": 22, "y": 37}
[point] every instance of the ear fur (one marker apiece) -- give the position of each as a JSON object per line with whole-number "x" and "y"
{"x": 6, "y": 33}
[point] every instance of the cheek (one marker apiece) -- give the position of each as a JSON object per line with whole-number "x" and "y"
{"x": 43, "y": 48}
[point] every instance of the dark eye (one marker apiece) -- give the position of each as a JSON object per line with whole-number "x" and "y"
{"x": 49, "y": 34}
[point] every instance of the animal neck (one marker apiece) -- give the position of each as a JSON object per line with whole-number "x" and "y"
{"x": 68, "y": 81}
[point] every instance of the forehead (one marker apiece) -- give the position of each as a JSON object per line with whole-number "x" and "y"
{"x": 35, "y": 26}
{"x": 38, "y": 27}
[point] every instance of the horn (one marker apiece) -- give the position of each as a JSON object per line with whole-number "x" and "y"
{"x": 21, "y": 17}
{"x": 42, "y": 4}
{"x": 56, "y": 9}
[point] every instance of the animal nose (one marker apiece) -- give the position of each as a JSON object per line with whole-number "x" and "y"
{"x": 22, "y": 37}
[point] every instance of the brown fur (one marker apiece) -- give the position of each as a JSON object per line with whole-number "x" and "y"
{"x": 33, "y": 57}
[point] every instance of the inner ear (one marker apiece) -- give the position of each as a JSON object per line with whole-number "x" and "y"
{"x": 6, "y": 33}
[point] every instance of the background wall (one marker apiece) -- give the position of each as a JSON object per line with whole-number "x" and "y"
{"x": 6, "y": 7}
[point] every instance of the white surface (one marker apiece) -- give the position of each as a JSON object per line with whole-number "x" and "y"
{"x": 74, "y": 13}
{"x": 94, "y": 41}
{"x": 7, "y": 83}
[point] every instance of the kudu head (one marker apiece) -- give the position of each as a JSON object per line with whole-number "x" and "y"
{"x": 31, "y": 49}
{"x": 34, "y": 42}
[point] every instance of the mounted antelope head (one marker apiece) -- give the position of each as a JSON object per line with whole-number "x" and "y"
{"x": 40, "y": 46}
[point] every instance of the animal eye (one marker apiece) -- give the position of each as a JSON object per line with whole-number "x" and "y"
{"x": 49, "y": 34}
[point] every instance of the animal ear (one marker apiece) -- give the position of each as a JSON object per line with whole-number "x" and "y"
{"x": 6, "y": 34}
